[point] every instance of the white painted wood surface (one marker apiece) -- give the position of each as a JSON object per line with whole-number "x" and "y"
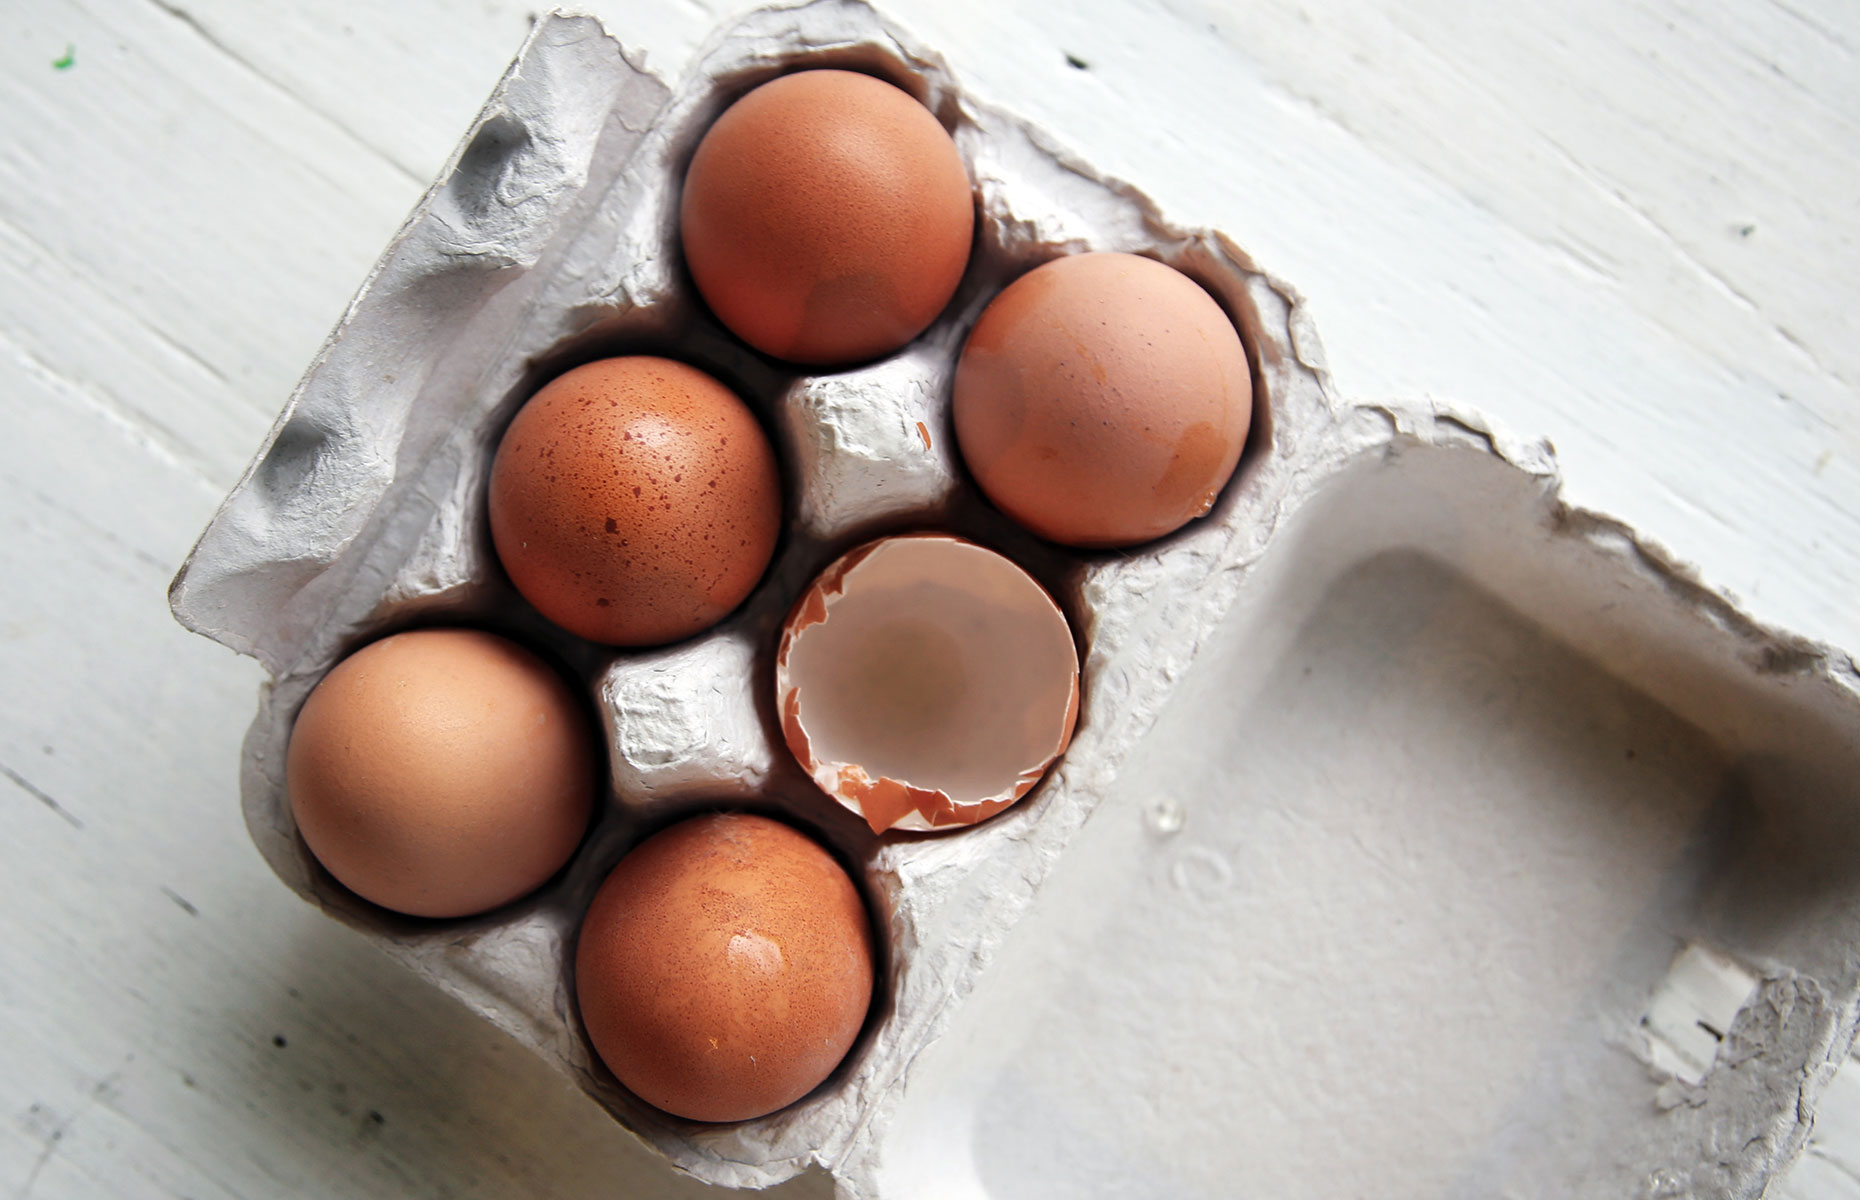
{"x": 1630, "y": 225}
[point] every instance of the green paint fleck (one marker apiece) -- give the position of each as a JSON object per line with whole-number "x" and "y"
{"x": 64, "y": 64}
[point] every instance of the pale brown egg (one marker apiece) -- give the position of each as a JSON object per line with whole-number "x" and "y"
{"x": 724, "y": 968}
{"x": 441, "y": 772}
{"x": 635, "y": 501}
{"x": 1103, "y": 400}
{"x": 926, "y": 682}
{"x": 826, "y": 217}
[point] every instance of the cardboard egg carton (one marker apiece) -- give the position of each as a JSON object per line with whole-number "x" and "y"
{"x": 1433, "y": 822}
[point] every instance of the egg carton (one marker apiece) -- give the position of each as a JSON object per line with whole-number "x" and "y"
{"x": 1434, "y": 821}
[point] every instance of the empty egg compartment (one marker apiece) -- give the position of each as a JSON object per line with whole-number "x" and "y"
{"x": 1480, "y": 851}
{"x": 552, "y": 240}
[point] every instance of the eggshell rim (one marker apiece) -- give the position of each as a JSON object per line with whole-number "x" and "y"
{"x": 885, "y": 803}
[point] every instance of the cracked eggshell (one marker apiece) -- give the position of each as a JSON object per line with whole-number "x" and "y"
{"x": 926, "y": 682}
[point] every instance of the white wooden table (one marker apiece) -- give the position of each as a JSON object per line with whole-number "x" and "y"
{"x": 1631, "y": 225}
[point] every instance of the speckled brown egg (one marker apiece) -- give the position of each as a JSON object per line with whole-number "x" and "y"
{"x": 724, "y": 967}
{"x": 635, "y": 501}
{"x": 441, "y": 772}
{"x": 826, "y": 217}
{"x": 1103, "y": 400}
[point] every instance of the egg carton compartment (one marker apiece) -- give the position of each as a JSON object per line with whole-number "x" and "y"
{"x": 551, "y": 239}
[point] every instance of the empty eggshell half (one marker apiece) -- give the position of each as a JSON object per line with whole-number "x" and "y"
{"x": 926, "y": 682}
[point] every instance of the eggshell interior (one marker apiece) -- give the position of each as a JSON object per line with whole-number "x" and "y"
{"x": 926, "y": 682}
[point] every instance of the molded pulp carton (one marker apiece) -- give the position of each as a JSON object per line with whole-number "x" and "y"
{"x": 1422, "y": 835}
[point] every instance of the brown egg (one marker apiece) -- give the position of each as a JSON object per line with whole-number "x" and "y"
{"x": 724, "y": 968}
{"x": 826, "y": 217}
{"x": 926, "y": 682}
{"x": 441, "y": 772}
{"x": 635, "y": 501}
{"x": 1103, "y": 400}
